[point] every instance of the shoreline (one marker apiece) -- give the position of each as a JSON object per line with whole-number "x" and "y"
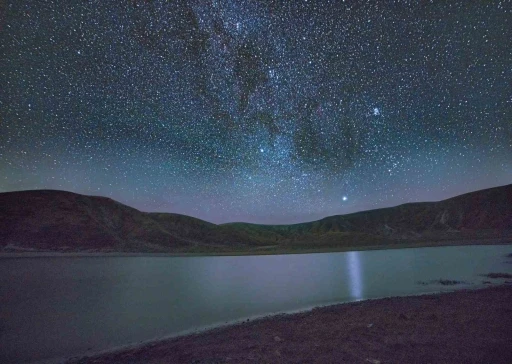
{"x": 210, "y": 329}
{"x": 254, "y": 252}
{"x": 380, "y": 329}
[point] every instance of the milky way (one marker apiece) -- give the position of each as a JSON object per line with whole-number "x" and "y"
{"x": 259, "y": 111}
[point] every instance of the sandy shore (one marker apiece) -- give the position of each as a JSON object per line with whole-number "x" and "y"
{"x": 471, "y": 326}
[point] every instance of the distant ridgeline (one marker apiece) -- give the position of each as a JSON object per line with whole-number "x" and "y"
{"x": 46, "y": 220}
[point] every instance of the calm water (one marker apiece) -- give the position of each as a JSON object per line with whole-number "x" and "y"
{"x": 60, "y": 307}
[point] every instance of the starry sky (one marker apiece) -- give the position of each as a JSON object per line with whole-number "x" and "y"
{"x": 259, "y": 111}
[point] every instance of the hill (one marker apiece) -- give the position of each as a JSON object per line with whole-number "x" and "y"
{"x": 484, "y": 214}
{"x": 47, "y": 220}
{"x": 64, "y": 221}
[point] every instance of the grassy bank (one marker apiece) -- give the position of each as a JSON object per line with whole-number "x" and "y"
{"x": 270, "y": 250}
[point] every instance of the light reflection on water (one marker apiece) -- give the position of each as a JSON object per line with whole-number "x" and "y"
{"x": 354, "y": 271}
{"x": 51, "y": 307}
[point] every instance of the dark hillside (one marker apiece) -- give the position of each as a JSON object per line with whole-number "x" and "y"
{"x": 64, "y": 221}
{"x": 485, "y": 213}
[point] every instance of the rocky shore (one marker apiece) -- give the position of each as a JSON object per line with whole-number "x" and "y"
{"x": 470, "y": 326}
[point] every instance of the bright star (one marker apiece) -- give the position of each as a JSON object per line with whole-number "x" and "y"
{"x": 376, "y": 111}
{"x": 344, "y": 198}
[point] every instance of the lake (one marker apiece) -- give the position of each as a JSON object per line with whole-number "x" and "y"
{"x": 59, "y": 307}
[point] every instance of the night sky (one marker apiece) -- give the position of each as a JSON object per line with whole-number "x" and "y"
{"x": 257, "y": 111}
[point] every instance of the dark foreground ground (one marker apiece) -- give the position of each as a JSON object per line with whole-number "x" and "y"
{"x": 460, "y": 327}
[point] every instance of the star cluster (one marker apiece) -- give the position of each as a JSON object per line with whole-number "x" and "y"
{"x": 260, "y": 111}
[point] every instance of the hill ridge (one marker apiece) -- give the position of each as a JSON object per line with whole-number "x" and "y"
{"x": 54, "y": 220}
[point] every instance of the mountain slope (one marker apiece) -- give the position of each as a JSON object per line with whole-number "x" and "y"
{"x": 485, "y": 213}
{"x": 56, "y": 219}
{"x": 65, "y": 221}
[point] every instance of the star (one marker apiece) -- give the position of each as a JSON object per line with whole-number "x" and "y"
{"x": 196, "y": 97}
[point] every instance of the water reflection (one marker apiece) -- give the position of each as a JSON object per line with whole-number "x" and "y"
{"x": 354, "y": 272}
{"x": 99, "y": 303}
